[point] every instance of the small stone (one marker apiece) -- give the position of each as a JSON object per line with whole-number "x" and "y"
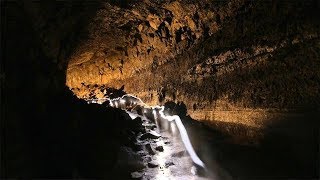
{"x": 159, "y": 148}
{"x": 141, "y": 153}
{"x": 169, "y": 163}
{"x": 150, "y": 149}
{"x": 147, "y": 159}
{"x": 150, "y": 135}
{"x": 151, "y": 126}
{"x": 153, "y": 164}
{"x": 136, "y": 175}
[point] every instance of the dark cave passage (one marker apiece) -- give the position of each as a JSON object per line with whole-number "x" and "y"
{"x": 241, "y": 76}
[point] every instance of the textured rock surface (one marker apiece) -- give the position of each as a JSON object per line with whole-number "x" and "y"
{"x": 230, "y": 62}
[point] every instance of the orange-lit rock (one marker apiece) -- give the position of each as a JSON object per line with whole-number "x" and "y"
{"x": 230, "y": 61}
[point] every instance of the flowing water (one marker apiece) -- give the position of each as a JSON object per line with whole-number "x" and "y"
{"x": 178, "y": 159}
{"x": 194, "y": 151}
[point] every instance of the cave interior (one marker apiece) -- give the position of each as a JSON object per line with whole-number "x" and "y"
{"x": 243, "y": 76}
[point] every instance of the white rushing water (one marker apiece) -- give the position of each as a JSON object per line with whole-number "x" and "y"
{"x": 122, "y": 101}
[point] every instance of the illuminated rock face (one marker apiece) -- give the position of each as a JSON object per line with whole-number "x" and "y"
{"x": 124, "y": 42}
{"x": 234, "y": 61}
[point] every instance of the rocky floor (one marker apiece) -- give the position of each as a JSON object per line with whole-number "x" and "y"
{"x": 155, "y": 150}
{"x": 164, "y": 153}
{"x": 158, "y": 152}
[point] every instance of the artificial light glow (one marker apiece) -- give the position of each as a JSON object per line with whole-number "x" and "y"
{"x": 154, "y": 112}
{"x": 173, "y": 128}
{"x": 180, "y": 126}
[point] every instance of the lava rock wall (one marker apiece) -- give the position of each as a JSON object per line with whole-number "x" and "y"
{"x": 234, "y": 61}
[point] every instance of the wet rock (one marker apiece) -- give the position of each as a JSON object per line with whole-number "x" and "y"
{"x": 159, "y": 148}
{"x": 153, "y": 164}
{"x": 169, "y": 163}
{"x": 154, "y": 140}
{"x": 142, "y": 153}
{"x": 151, "y": 126}
{"x": 166, "y": 140}
{"x": 136, "y": 175}
{"x": 147, "y": 159}
{"x": 150, "y": 135}
{"x": 150, "y": 149}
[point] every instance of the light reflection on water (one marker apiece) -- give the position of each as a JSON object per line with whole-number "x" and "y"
{"x": 171, "y": 126}
{"x": 161, "y": 158}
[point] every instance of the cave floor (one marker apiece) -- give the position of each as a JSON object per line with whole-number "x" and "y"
{"x": 172, "y": 160}
{"x": 164, "y": 156}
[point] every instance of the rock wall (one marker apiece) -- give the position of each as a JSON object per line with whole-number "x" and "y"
{"x": 124, "y": 42}
{"x": 235, "y": 61}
